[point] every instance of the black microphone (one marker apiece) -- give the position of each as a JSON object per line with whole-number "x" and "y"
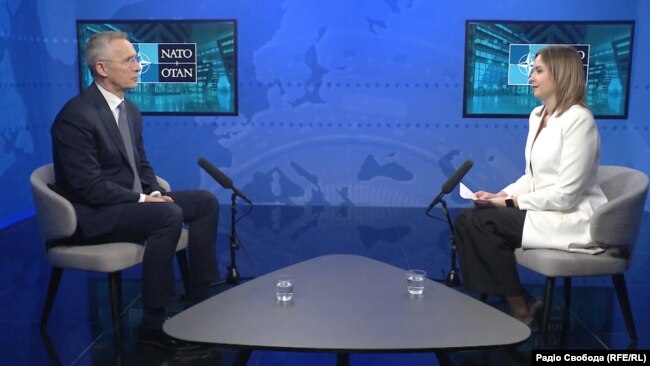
{"x": 449, "y": 185}
{"x": 221, "y": 178}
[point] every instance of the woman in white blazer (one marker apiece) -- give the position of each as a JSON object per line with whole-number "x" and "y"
{"x": 551, "y": 204}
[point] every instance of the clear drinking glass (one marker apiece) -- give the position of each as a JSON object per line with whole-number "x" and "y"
{"x": 415, "y": 281}
{"x": 283, "y": 288}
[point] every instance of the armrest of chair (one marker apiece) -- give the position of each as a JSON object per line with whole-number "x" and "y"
{"x": 616, "y": 223}
{"x": 56, "y": 216}
{"x": 163, "y": 184}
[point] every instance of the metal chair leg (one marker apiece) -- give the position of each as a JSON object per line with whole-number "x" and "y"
{"x": 52, "y": 288}
{"x": 548, "y": 302}
{"x": 624, "y": 301}
{"x": 115, "y": 290}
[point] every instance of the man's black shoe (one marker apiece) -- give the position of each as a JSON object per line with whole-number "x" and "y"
{"x": 158, "y": 338}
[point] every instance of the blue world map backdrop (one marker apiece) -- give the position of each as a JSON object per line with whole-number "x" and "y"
{"x": 341, "y": 103}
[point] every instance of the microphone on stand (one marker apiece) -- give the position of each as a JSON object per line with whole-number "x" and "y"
{"x": 221, "y": 178}
{"x": 452, "y": 279}
{"x": 233, "y": 277}
{"x": 451, "y": 183}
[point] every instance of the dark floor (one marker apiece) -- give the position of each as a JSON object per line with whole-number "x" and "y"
{"x": 80, "y": 331}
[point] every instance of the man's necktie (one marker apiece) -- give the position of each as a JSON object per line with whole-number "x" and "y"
{"x": 125, "y": 131}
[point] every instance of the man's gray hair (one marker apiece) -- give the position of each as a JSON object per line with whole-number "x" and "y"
{"x": 98, "y": 46}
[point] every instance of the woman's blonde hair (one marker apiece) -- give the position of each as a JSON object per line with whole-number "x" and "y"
{"x": 565, "y": 67}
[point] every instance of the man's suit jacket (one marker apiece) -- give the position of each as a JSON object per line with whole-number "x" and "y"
{"x": 559, "y": 189}
{"x": 91, "y": 167}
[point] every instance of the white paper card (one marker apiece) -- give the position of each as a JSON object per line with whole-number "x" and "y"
{"x": 466, "y": 193}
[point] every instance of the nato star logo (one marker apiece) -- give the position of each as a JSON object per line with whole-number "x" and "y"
{"x": 525, "y": 64}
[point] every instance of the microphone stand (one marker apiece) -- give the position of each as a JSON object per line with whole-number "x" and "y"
{"x": 232, "y": 278}
{"x": 453, "y": 278}
{"x": 233, "y": 275}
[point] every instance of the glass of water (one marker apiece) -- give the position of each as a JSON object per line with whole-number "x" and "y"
{"x": 283, "y": 288}
{"x": 415, "y": 281}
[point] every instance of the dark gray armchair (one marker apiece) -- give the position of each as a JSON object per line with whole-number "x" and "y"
{"x": 57, "y": 220}
{"x": 614, "y": 226}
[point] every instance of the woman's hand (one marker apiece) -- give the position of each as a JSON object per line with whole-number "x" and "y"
{"x": 487, "y": 199}
{"x": 482, "y": 195}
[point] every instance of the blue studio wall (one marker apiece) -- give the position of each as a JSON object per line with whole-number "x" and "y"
{"x": 348, "y": 102}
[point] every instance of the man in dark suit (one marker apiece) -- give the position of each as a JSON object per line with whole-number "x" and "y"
{"x": 101, "y": 167}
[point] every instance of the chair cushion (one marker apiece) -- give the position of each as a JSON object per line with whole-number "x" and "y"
{"x": 557, "y": 263}
{"x": 108, "y": 257}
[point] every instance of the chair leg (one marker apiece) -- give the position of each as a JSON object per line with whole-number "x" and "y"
{"x": 624, "y": 301}
{"x": 115, "y": 290}
{"x": 548, "y": 302}
{"x": 181, "y": 257}
{"x": 567, "y": 293}
{"x": 566, "y": 318}
{"x": 53, "y": 286}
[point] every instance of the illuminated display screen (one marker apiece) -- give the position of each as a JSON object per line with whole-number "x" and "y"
{"x": 499, "y": 57}
{"x": 188, "y": 66}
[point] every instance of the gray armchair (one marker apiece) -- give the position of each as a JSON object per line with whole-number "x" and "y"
{"x": 614, "y": 226}
{"x": 57, "y": 220}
